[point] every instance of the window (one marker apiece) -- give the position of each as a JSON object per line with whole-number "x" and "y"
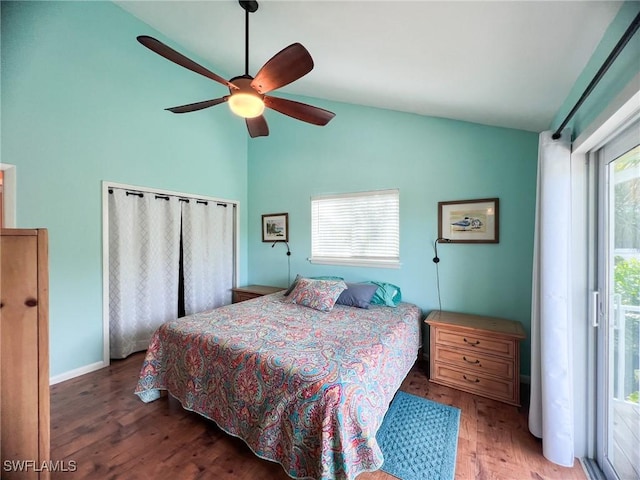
{"x": 360, "y": 229}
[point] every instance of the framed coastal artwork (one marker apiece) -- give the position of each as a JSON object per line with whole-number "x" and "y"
{"x": 469, "y": 221}
{"x": 275, "y": 227}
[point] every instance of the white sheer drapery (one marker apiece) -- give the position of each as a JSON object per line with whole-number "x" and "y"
{"x": 551, "y": 407}
{"x": 208, "y": 259}
{"x": 144, "y": 249}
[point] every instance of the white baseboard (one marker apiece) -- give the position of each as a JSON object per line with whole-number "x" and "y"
{"x": 77, "y": 372}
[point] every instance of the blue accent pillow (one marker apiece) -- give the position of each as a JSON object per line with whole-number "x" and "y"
{"x": 293, "y": 285}
{"x": 386, "y": 294}
{"x": 357, "y": 295}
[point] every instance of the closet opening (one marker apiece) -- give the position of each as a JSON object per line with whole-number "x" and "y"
{"x": 165, "y": 255}
{"x": 7, "y": 196}
{"x": 1, "y": 200}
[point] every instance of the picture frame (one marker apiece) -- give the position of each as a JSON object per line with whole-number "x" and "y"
{"x": 275, "y": 227}
{"x": 469, "y": 221}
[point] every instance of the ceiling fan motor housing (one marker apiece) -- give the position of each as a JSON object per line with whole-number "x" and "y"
{"x": 243, "y": 82}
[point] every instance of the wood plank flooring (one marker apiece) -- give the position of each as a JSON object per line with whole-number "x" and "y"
{"x": 98, "y": 423}
{"x": 626, "y": 441}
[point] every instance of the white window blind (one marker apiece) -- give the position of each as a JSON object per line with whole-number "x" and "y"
{"x": 356, "y": 229}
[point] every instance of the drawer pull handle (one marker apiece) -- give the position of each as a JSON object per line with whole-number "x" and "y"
{"x": 473, "y": 344}
{"x": 31, "y": 302}
{"x": 476, "y": 362}
{"x": 477, "y": 380}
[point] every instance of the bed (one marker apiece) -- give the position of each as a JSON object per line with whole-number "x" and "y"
{"x": 304, "y": 388}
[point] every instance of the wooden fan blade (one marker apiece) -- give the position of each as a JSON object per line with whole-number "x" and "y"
{"x": 286, "y": 66}
{"x": 257, "y": 126}
{"x": 170, "y": 54}
{"x": 193, "y": 107}
{"x": 299, "y": 111}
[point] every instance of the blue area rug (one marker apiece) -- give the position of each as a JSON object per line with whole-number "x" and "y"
{"x": 419, "y": 439}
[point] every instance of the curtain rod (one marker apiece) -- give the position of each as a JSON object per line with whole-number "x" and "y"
{"x": 137, "y": 193}
{"x": 631, "y": 30}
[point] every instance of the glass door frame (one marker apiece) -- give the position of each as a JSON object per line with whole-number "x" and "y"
{"x": 602, "y": 301}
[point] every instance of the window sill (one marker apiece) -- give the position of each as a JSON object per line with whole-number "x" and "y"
{"x": 355, "y": 262}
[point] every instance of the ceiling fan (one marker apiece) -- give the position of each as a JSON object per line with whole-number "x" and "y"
{"x": 248, "y": 95}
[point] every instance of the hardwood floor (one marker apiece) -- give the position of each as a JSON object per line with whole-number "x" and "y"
{"x": 98, "y": 424}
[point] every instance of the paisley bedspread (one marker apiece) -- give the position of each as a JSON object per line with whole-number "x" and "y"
{"x": 303, "y": 388}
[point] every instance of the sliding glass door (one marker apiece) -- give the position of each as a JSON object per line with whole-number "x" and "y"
{"x": 618, "y": 445}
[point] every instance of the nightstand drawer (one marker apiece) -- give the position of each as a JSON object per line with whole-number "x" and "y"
{"x": 487, "y": 386}
{"x": 496, "y": 346}
{"x": 242, "y": 296}
{"x": 475, "y": 361}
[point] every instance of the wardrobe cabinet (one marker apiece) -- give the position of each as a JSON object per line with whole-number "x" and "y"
{"x": 24, "y": 367}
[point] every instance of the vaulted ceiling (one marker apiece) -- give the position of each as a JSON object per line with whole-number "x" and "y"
{"x": 509, "y": 64}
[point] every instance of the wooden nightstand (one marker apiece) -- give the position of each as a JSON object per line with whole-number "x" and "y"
{"x": 240, "y": 294}
{"x": 476, "y": 354}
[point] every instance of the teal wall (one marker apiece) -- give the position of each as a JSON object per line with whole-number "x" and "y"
{"x": 429, "y": 160}
{"x": 82, "y": 102}
{"x": 622, "y": 71}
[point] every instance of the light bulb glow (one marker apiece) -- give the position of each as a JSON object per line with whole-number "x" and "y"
{"x": 246, "y": 105}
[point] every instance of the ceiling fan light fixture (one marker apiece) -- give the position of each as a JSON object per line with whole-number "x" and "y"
{"x": 246, "y": 105}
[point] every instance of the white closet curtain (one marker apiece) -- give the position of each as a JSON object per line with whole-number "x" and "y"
{"x": 144, "y": 249}
{"x": 551, "y": 406}
{"x": 208, "y": 254}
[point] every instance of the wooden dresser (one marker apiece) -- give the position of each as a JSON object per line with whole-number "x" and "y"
{"x": 476, "y": 354}
{"x": 240, "y": 294}
{"x": 24, "y": 327}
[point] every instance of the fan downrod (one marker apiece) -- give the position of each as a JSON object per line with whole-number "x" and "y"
{"x": 249, "y": 5}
